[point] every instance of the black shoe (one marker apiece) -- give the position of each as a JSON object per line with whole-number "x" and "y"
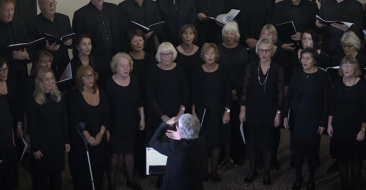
{"x": 275, "y": 166}
{"x": 237, "y": 162}
{"x": 311, "y": 186}
{"x": 249, "y": 179}
{"x": 259, "y": 164}
{"x": 333, "y": 168}
{"x": 133, "y": 185}
{"x": 159, "y": 183}
{"x": 111, "y": 188}
{"x": 267, "y": 182}
{"x": 297, "y": 185}
{"x": 215, "y": 178}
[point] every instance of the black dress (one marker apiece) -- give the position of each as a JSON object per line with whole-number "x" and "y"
{"x": 94, "y": 62}
{"x": 9, "y": 177}
{"x": 211, "y": 94}
{"x": 48, "y": 133}
{"x": 94, "y": 118}
{"x": 166, "y": 91}
{"x": 348, "y": 108}
{"x": 189, "y": 64}
{"x": 124, "y": 114}
{"x": 261, "y": 103}
{"x": 308, "y": 98}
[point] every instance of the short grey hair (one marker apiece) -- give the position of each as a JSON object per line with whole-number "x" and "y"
{"x": 232, "y": 26}
{"x": 189, "y": 127}
{"x": 350, "y": 38}
{"x": 265, "y": 41}
{"x": 166, "y": 46}
{"x": 115, "y": 59}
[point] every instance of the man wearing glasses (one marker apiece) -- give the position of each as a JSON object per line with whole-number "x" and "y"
{"x": 55, "y": 24}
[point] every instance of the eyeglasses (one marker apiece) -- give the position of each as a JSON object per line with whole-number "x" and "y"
{"x": 50, "y": 3}
{"x": 91, "y": 76}
{"x": 5, "y": 70}
{"x": 347, "y": 46}
{"x": 166, "y": 54}
{"x": 265, "y": 51}
{"x": 125, "y": 66}
{"x": 347, "y": 66}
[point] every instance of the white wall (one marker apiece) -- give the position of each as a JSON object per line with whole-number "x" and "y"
{"x": 68, "y": 7}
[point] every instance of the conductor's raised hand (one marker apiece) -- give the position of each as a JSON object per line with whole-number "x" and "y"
{"x": 67, "y": 148}
{"x": 175, "y": 135}
{"x": 172, "y": 121}
{"x": 38, "y": 155}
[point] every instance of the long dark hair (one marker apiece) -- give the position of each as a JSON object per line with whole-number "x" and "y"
{"x": 314, "y": 36}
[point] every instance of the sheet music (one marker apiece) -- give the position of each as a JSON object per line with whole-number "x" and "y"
{"x": 67, "y": 74}
{"x": 25, "y": 147}
{"x": 242, "y": 132}
{"x": 154, "y": 158}
{"x": 348, "y": 24}
{"x": 335, "y": 67}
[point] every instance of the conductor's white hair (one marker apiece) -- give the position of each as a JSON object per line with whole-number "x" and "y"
{"x": 232, "y": 26}
{"x": 189, "y": 127}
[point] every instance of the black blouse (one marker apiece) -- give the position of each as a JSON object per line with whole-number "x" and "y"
{"x": 94, "y": 62}
{"x": 6, "y": 130}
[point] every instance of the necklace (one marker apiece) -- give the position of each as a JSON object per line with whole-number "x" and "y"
{"x": 3, "y": 86}
{"x": 265, "y": 80}
{"x": 348, "y": 88}
{"x": 189, "y": 50}
{"x": 307, "y": 74}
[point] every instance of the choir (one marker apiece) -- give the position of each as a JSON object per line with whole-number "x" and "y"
{"x": 144, "y": 64}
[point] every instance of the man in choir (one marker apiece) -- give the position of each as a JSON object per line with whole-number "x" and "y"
{"x": 254, "y": 15}
{"x": 55, "y": 24}
{"x": 103, "y": 22}
{"x": 144, "y": 13}
{"x": 341, "y": 10}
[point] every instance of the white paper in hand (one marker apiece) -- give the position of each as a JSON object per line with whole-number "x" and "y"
{"x": 242, "y": 132}
{"x": 67, "y": 74}
{"x": 25, "y": 147}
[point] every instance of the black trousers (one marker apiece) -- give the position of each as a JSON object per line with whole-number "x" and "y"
{"x": 41, "y": 181}
{"x": 81, "y": 176}
{"x": 237, "y": 146}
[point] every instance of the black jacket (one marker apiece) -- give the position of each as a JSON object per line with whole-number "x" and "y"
{"x": 185, "y": 159}
{"x": 84, "y": 22}
{"x": 320, "y": 96}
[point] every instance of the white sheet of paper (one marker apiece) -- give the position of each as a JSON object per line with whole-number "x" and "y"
{"x": 25, "y": 147}
{"x": 242, "y": 132}
{"x": 67, "y": 74}
{"x": 154, "y": 158}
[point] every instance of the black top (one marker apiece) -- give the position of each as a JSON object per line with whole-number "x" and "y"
{"x": 84, "y": 22}
{"x": 28, "y": 90}
{"x": 175, "y": 17}
{"x": 235, "y": 61}
{"x": 102, "y": 19}
{"x": 189, "y": 64}
{"x": 94, "y": 118}
{"x": 48, "y": 133}
{"x": 13, "y": 99}
{"x": 59, "y": 27}
{"x": 94, "y": 62}
{"x": 302, "y": 15}
{"x": 347, "y": 11}
{"x": 166, "y": 91}
{"x": 6, "y": 130}
{"x": 253, "y": 16}
{"x": 124, "y": 113}
{"x": 318, "y": 96}
{"x": 13, "y": 33}
{"x": 145, "y": 15}
{"x": 185, "y": 158}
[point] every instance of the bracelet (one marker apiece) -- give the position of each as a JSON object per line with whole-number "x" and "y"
{"x": 102, "y": 132}
{"x": 142, "y": 117}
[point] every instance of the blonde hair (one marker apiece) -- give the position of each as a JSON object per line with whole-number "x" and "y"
{"x": 208, "y": 46}
{"x": 116, "y": 58}
{"x": 271, "y": 29}
{"x": 39, "y": 94}
{"x": 232, "y": 26}
{"x": 265, "y": 41}
{"x": 350, "y": 38}
{"x": 165, "y": 46}
{"x": 352, "y": 60}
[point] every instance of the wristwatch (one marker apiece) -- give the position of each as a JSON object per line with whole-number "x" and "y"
{"x": 363, "y": 129}
{"x": 183, "y": 108}
{"x": 278, "y": 112}
{"x": 227, "y": 110}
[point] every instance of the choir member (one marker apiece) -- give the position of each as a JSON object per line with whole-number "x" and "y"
{"x": 9, "y": 178}
{"x": 347, "y": 123}
{"x": 310, "y": 39}
{"x": 342, "y": 10}
{"x": 47, "y": 122}
{"x": 103, "y": 22}
{"x": 308, "y": 98}
{"x": 185, "y": 152}
{"x": 253, "y": 16}
{"x": 144, "y": 12}
{"x": 211, "y": 103}
{"x": 84, "y": 47}
{"x": 13, "y": 31}
{"x": 188, "y": 53}
{"x": 143, "y": 61}
{"x": 55, "y": 24}
{"x": 261, "y": 104}
{"x": 301, "y": 12}
{"x": 127, "y": 117}
{"x": 88, "y": 105}
{"x": 176, "y": 14}
{"x": 209, "y": 30}
{"x": 234, "y": 58}
{"x": 167, "y": 91}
